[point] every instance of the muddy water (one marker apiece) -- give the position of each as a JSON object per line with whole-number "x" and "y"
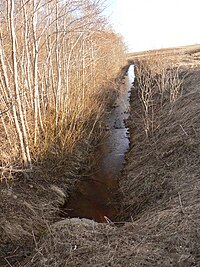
{"x": 95, "y": 197}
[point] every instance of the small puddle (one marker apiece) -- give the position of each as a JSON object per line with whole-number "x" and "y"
{"x": 96, "y": 194}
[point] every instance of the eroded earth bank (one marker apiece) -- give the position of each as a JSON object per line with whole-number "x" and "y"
{"x": 158, "y": 223}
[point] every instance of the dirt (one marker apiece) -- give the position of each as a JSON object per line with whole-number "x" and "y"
{"x": 159, "y": 220}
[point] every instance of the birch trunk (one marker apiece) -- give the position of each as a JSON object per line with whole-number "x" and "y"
{"x": 21, "y": 129}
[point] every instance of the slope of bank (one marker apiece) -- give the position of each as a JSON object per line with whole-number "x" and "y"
{"x": 161, "y": 182}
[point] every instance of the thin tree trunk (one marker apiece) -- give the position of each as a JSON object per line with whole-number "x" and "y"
{"x": 21, "y": 133}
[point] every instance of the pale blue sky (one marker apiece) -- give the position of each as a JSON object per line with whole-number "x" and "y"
{"x": 149, "y": 24}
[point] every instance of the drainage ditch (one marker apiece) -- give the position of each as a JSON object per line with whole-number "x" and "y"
{"x": 96, "y": 194}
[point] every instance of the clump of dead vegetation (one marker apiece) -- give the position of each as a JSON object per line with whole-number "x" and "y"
{"x": 152, "y": 240}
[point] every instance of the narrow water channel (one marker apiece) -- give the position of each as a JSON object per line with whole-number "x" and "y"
{"x": 95, "y": 197}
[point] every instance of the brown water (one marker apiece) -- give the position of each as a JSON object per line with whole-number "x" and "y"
{"x": 96, "y": 194}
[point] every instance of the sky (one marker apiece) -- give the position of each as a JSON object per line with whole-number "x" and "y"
{"x": 154, "y": 24}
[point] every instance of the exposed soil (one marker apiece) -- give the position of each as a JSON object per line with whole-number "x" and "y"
{"x": 159, "y": 222}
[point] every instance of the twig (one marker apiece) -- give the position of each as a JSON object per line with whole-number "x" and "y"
{"x": 180, "y": 201}
{"x": 107, "y": 219}
{"x": 8, "y": 262}
{"x": 16, "y": 170}
{"x": 183, "y": 130}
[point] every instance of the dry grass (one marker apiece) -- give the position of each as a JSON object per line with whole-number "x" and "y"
{"x": 186, "y": 55}
{"x": 161, "y": 180}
